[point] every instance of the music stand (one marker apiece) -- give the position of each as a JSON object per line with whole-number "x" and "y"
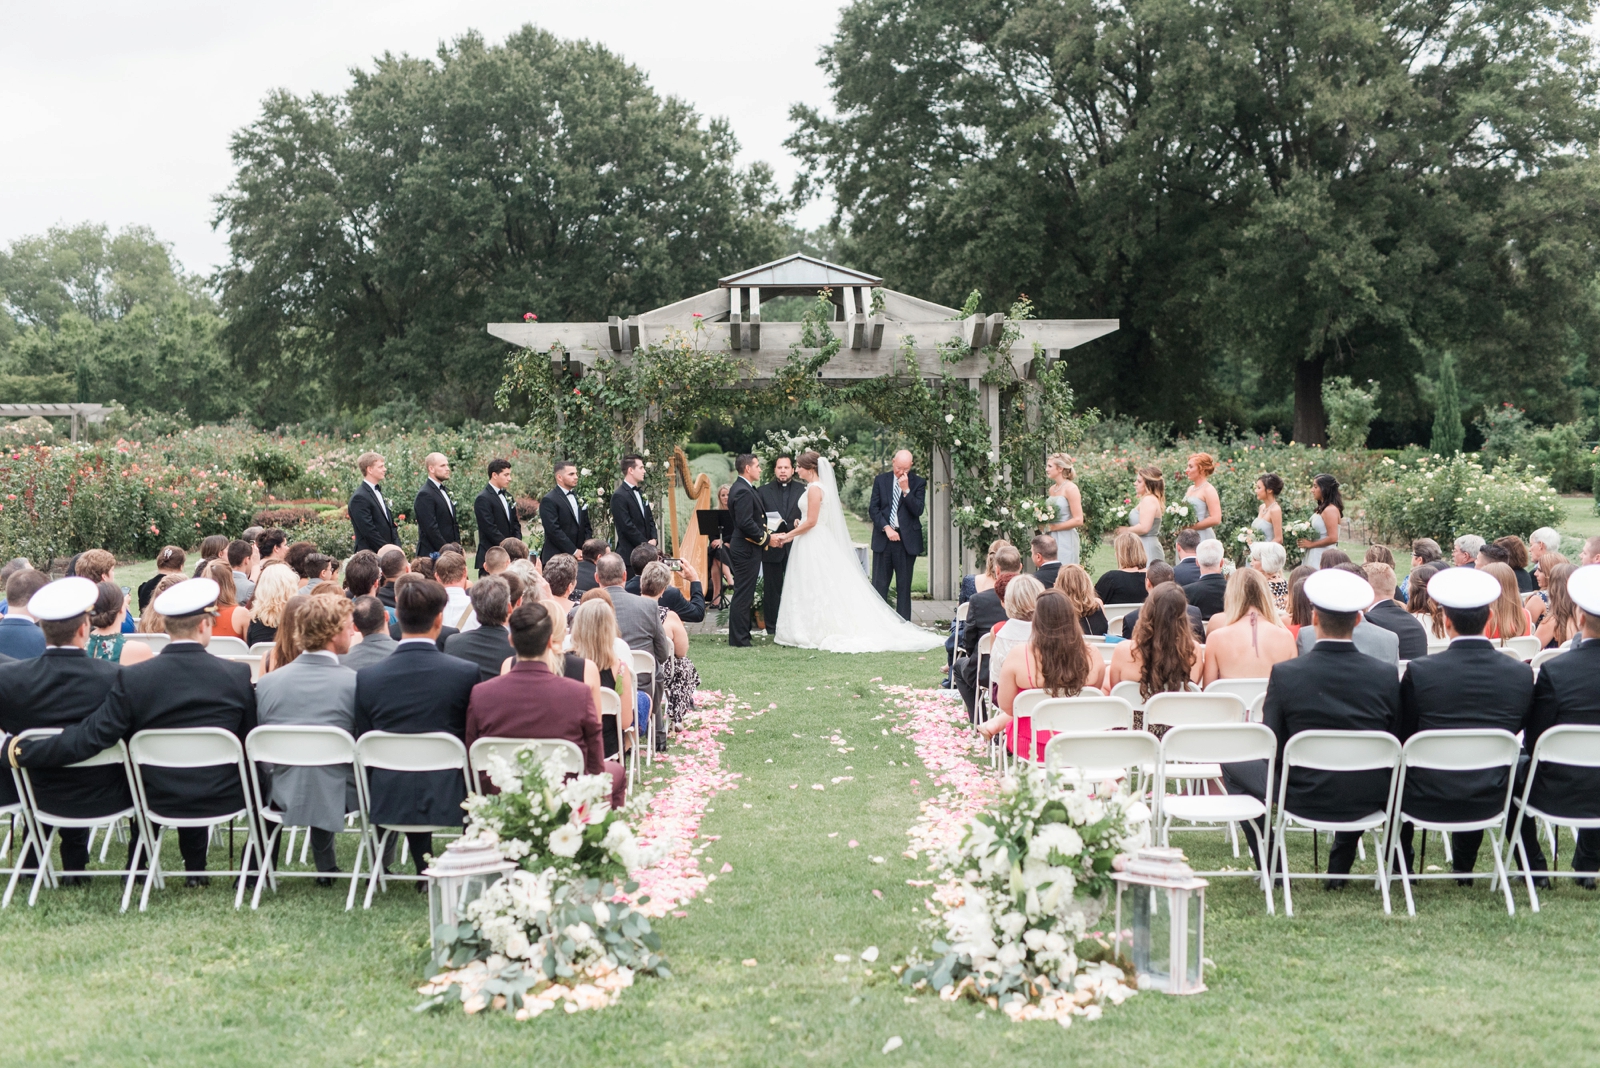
{"x": 710, "y": 522}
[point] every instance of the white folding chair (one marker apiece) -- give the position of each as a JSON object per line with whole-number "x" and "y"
{"x": 1114, "y": 614}
{"x": 1437, "y": 645}
{"x": 483, "y": 749}
{"x": 1106, "y": 650}
{"x": 301, "y": 747}
{"x": 1258, "y": 708}
{"x": 1525, "y": 647}
{"x": 1218, "y": 743}
{"x": 983, "y": 708}
{"x": 1128, "y": 690}
{"x": 644, "y": 667}
{"x": 1187, "y": 709}
{"x": 1246, "y": 690}
{"x": 35, "y": 820}
{"x": 1078, "y": 715}
{"x": 261, "y": 648}
{"x": 1455, "y": 750}
{"x": 1095, "y": 756}
{"x": 156, "y": 642}
{"x": 191, "y": 747}
{"x": 611, "y": 705}
{"x": 227, "y": 645}
{"x": 1544, "y": 655}
{"x": 387, "y": 751}
{"x": 1572, "y": 745}
{"x": 1335, "y": 751}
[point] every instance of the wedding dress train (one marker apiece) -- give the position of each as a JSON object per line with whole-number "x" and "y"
{"x": 828, "y": 601}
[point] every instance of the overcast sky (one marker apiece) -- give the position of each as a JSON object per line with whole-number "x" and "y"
{"x": 120, "y": 113}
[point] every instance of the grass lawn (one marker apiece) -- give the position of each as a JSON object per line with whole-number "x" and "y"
{"x": 192, "y": 982}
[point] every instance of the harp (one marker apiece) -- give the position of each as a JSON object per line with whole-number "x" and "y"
{"x": 690, "y": 544}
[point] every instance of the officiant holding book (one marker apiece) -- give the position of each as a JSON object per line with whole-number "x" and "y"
{"x": 781, "y": 499}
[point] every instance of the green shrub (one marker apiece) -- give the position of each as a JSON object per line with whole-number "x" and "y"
{"x": 272, "y": 466}
{"x": 1351, "y": 411}
{"x": 285, "y": 518}
{"x": 696, "y": 449}
{"x": 1444, "y": 499}
{"x": 1557, "y": 452}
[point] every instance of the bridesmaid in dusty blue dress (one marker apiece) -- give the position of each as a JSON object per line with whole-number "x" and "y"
{"x": 1202, "y": 495}
{"x": 1069, "y": 508}
{"x": 1325, "y": 520}
{"x": 1144, "y": 519}
{"x": 1268, "y": 522}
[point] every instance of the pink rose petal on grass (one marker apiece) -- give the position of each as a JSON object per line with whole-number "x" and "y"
{"x": 853, "y": 843}
{"x": 726, "y": 868}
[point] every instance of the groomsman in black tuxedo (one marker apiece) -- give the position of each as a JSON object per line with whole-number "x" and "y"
{"x": 1568, "y": 691}
{"x": 182, "y": 686}
{"x": 1333, "y": 686}
{"x": 1469, "y": 685}
{"x": 370, "y": 513}
{"x": 495, "y": 511}
{"x": 58, "y": 689}
{"x": 630, "y": 512}
{"x": 782, "y": 495}
{"x": 435, "y": 511}
{"x": 563, "y": 515}
{"x": 896, "y": 513}
{"x": 750, "y": 536}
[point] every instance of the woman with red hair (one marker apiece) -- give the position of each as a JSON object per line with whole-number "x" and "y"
{"x": 1202, "y": 495}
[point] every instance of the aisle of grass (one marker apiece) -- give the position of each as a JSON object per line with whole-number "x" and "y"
{"x": 300, "y": 982}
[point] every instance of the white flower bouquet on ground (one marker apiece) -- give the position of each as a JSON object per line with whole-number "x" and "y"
{"x": 1021, "y": 890}
{"x": 556, "y": 930}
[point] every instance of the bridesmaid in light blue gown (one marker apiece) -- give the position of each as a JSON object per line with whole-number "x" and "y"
{"x": 1268, "y": 523}
{"x": 1069, "y": 508}
{"x": 1144, "y": 519}
{"x": 1202, "y": 495}
{"x": 1325, "y": 520}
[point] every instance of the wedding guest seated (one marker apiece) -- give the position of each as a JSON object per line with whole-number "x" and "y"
{"x": 276, "y": 583}
{"x": 516, "y": 549}
{"x": 1125, "y": 584}
{"x": 450, "y": 571}
{"x": 561, "y": 572}
{"x": 316, "y": 690}
{"x": 678, "y": 677}
{"x": 489, "y": 644}
{"x": 1155, "y": 575}
{"x": 1187, "y": 569}
{"x": 60, "y": 688}
{"x": 233, "y": 620}
{"x": 983, "y": 612}
{"x": 211, "y": 548}
{"x": 286, "y": 642}
{"x": 1492, "y": 554}
{"x": 416, "y": 690}
{"x": 533, "y": 701}
{"x": 272, "y": 544}
{"x": 1378, "y": 554}
{"x": 1163, "y": 656}
{"x": 1562, "y": 622}
{"x": 20, "y": 637}
{"x": 1507, "y": 617}
{"x": 592, "y": 551}
{"x": 150, "y": 621}
{"x": 1424, "y": 551}
{"x": 639, "y": 624}
{"x": 971, "y": 586}
{"x": 495, "y": 560}
{"x": 1333, "y": 558}
{"x": 316, "y": 568}
{"x": 362, "y": 574}
{"x": 1208, "y": 592}
{"x": 97, "y": 565}
{"x": 1465, "y": 552}
{"x": 11, "y": 567}
{"x": 1268, "y": 557}
{"x": 594, "y": 637}
{"x": 1056, "y": 659}
{"x": 1369, "y": 638}
{"x": 392, "y": 562}
{"x": 1391, "y": 615}
{"x": 1045, "y": 564}
{"x": 1421, "y": 606}
{"x": 169, "y": 561}
{"x": 691, "y": 609}
{"x": 106, "y": 640}
{"x": 1073, "y": 582}
{"x": 400, "y": 581}
{"x": 1249, "y": 637}
{"x": 371, "y": 621}
{"x": 1538, "y": 602}
{"x": 182, "y": 686}
{"x": 245, "y": 561}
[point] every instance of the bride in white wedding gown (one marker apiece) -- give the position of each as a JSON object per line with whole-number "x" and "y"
{"x": 828, "y": 602}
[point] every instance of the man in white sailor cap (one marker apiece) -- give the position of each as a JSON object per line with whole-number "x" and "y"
{"x": 182, "y": 686}
{"x": 1470, "y": 685}
{"x": 58, "y": 689}
{"x": 1334, "y": 686}
{"x": 1568, "y": 691}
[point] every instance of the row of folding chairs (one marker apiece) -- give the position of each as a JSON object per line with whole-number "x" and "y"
{"x": 279, "y": 746}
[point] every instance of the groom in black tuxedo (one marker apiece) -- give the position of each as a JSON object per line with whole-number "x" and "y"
{"x": 750, "y": 536}
{"x": 563, "y": 515}
{"x": 782, "y": 495}
{"x": 896, "y": 514}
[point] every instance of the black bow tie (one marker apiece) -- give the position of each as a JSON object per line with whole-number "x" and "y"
{"x": 378, "y": 488}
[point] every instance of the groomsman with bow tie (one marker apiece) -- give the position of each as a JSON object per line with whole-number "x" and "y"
{"x": 750, "y": 537}
{"x": 563, "y": 515}
{"x": 496, "y": 511}
{"x": 435, "y": 511}
{"x": 896, "y": 513}
{"x": 370, "y": 513}
{"x": 630, "y": 512}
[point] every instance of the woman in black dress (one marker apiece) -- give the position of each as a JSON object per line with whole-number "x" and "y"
{"x": 1073, "y": 581}
{"x": 1125, "y": 585}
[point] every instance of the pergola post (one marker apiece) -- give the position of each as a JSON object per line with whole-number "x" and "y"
{"x": 944, "y": 540}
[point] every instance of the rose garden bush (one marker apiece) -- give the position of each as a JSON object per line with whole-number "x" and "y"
{"x": 1444, "y": 499}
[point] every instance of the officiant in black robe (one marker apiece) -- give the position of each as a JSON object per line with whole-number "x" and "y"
{"x": 781, "y": 495}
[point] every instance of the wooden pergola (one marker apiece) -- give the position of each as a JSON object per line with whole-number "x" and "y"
{"x": 78, "y": 413}
{"x": 873, "y": 323}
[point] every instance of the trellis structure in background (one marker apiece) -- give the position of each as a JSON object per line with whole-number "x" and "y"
{"x": 877, "y": 328}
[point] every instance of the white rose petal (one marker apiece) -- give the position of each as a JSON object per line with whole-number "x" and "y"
{"x": 893, "y": 1044}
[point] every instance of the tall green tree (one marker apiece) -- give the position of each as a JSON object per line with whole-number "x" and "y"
{"x": 1448, "y": 433}
{"x": 1310, "y": 188}
{"x": 374, "y": 233}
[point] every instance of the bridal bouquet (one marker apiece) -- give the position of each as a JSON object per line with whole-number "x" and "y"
{"x": 1021, "y": 890}
{"x": 1292, "y": 533}
{"x": 554, "y": 931}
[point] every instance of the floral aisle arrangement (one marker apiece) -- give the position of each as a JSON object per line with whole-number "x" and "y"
{"x": 1020, "y": 892}
{"x": 558, "y": 930}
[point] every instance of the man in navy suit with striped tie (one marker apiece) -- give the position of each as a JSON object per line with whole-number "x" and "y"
{"x": 896, "y": 514}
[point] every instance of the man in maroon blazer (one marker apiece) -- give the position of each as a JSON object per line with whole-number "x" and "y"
{"x": 531, "y": 701}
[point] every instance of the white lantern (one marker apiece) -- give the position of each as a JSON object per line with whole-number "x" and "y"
{"x": 456, "y": 879}
{"x": 1166, "y": 920}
